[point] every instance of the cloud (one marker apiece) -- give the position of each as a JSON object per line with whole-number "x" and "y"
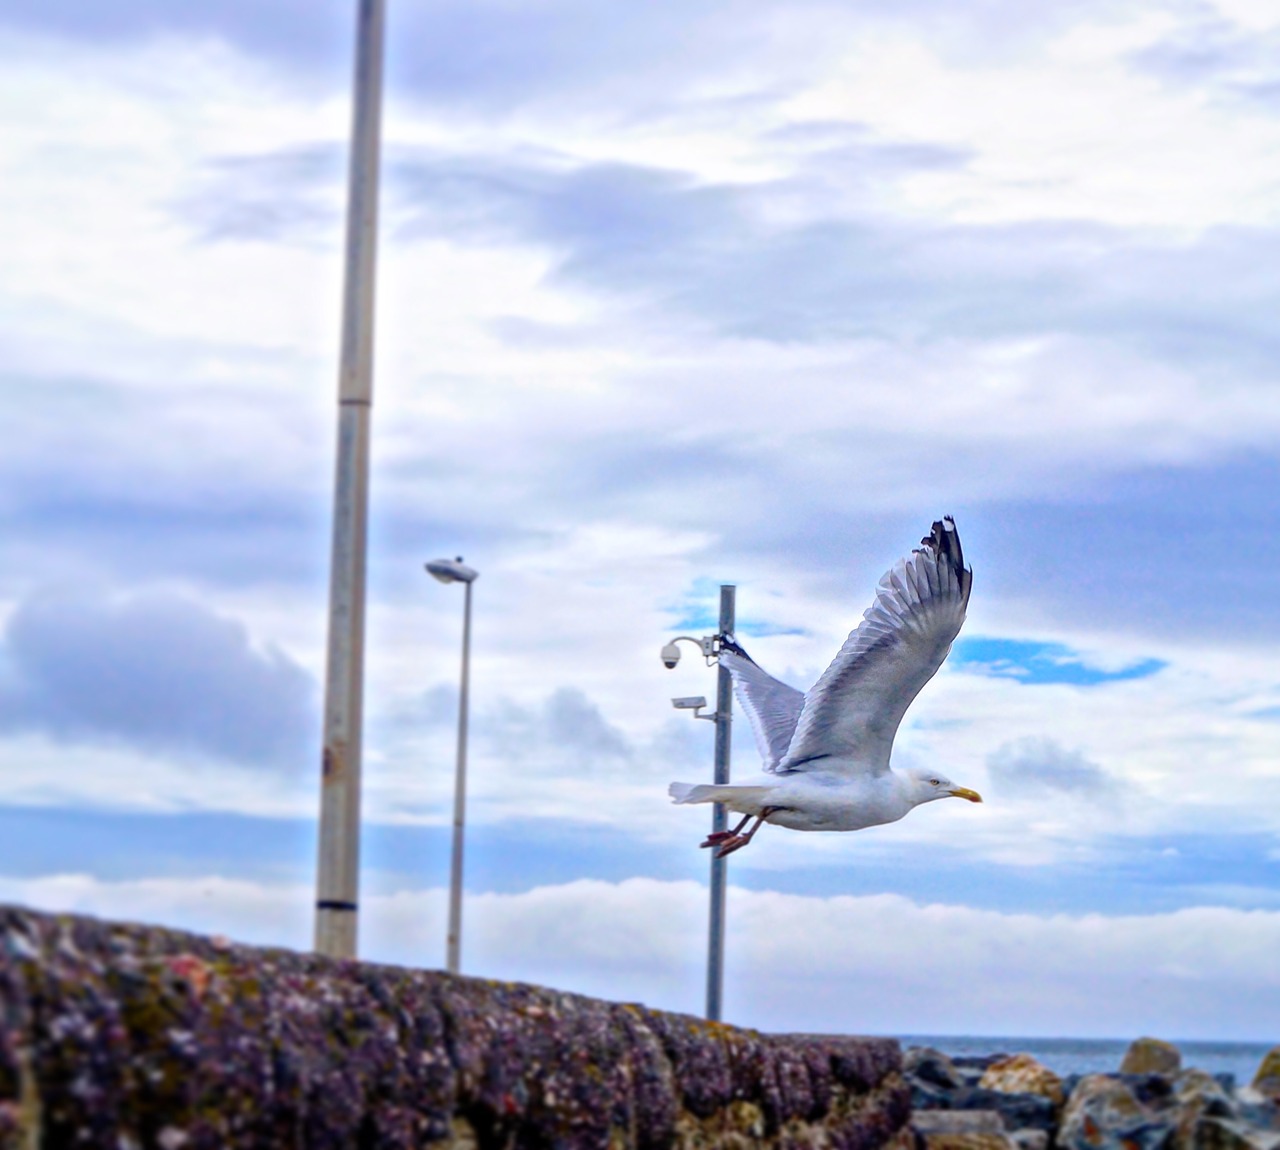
{"x": 1036, "y": 766}
{"x": 494, "y": 55}
{"x": 153, "y": 671}
{"x": 800, "y": 258}
{"x": 1231, "y": 62}
{"x": 1034, "y": 662}
{"x": 875, "y": 964}
{"x": 566, "y": 728}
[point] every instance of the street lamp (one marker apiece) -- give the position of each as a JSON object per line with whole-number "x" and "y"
{"x": 455, "y": 571}
{"x": 709, "y": 647}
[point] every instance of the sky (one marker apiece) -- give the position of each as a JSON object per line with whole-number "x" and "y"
{"x": 668, "y": 297}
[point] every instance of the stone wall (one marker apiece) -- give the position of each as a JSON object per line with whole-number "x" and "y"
{"x": 129, "y": 1037}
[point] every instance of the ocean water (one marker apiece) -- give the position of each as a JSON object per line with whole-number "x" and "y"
{"x": 1101, "y": 1055}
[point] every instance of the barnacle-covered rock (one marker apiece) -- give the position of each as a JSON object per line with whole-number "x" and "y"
{"x": 129, "y": 1036}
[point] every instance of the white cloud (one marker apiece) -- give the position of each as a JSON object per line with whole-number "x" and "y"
{"x": 879, "y": 964}
{"x": 705, "y": 351}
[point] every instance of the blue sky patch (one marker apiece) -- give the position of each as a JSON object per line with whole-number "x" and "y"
{"x": 1034, "y": 662}
{"x": 700, "y": 613}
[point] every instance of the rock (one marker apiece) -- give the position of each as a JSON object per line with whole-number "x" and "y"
{"x": 1151, "y": 1056}
{"x": 958, "y": 1122}
{"x": 1198, "y": 1096}
{"x": 1022, "y": 1074}
{"x": 926, "y": 1097}
{"x": 978, "y": 1062}
{"x": 1267, "y": 1080}
{"x": 1104, "y": 1113}
{"x": 968, "y": 1142}
{"x": 1228, "y": 1134}
{"x": 1019, "y": 1111}
{"x": 1031, "y": 1139}
{"x": 932, "y": 1067}
{"x": 118, "y": 1037}
{"x": 1257, "y": 1110}
{"x": 1196, "y": 1087}
{"x": 1155, "y": 1090}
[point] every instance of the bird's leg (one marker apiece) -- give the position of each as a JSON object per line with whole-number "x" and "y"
{"x": 715, "y": 838}
{"x": 737, "y": 841}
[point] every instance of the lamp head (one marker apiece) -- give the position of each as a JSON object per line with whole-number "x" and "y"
{"x": 452, "y": 571}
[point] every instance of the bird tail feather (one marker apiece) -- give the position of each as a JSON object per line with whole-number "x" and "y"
{"x": 744, "y": 800}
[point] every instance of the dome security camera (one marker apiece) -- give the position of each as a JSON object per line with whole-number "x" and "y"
{"x": 670, "y": 655}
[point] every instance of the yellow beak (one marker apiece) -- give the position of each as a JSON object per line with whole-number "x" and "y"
{"x": 966, "y": 793}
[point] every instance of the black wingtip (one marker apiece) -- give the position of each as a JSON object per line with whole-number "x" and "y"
{"x": 730, "y": 644}
{"x": 944, "y": 540}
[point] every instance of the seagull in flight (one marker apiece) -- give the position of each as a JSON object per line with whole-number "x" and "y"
{"x": 827, "y": 751}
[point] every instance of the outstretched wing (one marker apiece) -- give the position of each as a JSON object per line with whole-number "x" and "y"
{"x": 772, "y": 706}
{"x": 852, "y": 714}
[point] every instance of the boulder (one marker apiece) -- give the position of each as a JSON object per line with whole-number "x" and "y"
{"x": 1198, "y": 1096}
{"x": 1031, "y": 1139}
{"x": 957, "y": 1122}
{"x": 1019, "y": 1111}
{"x": 1104, "y": 1113}
{"x": 1204, "y": 1090}
{"x": 968, "y": 1142}
{"x": 1151, "y": 1056}
{"x": 926, "y": 1097}
{"x": 1152, "y": 1090}
{"x": 1228, "y": 1134}
{"x": 1022, "y": 1074}
{"x": 1267, "y": 1080}
{"x": 975, "y": 1063}
{"x": 931, "y": 1067}
{"x": 1257, "y": 1110}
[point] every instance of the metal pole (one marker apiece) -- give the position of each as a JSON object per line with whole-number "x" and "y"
{"x": 719, "y": 821}
{"x": 337, "y": 879}
{"x": 453, "y": 959}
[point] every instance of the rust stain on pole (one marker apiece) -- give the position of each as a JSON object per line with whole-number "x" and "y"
{"x": 334, "y": 761}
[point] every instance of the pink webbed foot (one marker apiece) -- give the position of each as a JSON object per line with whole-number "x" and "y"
{"x": 716, "y": 838}
{"x": 731, "y": 844}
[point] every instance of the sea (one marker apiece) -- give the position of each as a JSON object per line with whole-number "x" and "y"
{"x": 1100, "y": 1055}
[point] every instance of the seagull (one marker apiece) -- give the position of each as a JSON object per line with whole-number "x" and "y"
{"x": 827, "y": 751}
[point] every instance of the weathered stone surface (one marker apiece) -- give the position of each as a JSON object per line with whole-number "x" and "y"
{"x": 958, "y": 1122}
{"x": 1198, "y": 1096}
{"x": 931, "y": 1067}
{"x": 1257, "y": 1110}
{"x": 136, "y": 1037}
{"x": 986, "y": 1141}
{"x": 1031, "y": 1139}
{"x": 1267, "y": 1080}
{"x": 1104, "y": 1112}
{"x": 1022, "y": 1074}
{"x": 1019, "y": 1111}
{"x": 1151, "y": 1056}
{"x": 1229, "y": 1134}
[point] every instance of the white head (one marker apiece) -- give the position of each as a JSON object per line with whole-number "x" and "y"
{"x": 925, "y": 786}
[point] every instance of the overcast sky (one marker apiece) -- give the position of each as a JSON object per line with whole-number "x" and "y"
{"x": 669, "y": 296}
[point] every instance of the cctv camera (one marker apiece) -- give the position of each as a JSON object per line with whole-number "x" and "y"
{"x": 670, "y": 655}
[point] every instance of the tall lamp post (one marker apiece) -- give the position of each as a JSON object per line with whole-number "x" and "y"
{"x": 455, "y": 571}
{"x": 337, "y": 872}
{"x": 709, "y": 645}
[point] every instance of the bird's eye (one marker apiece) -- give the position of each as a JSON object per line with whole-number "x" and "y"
{"x": 935, "y": 782}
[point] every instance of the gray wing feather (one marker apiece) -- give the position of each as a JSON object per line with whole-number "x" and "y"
{"x": 852, "y": 713}
{"x": 772, "y": 707}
